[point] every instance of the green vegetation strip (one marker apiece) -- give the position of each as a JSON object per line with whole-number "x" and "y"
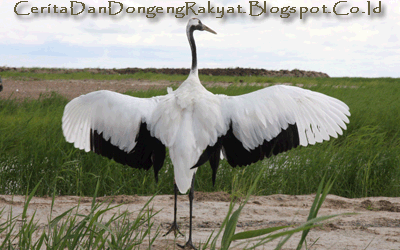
{"x": 364, "y": 161}
{"x": 348, "y": 82}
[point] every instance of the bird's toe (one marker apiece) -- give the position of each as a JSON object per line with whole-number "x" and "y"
{"x": 188, "y": 245}
{"x": 174, "y": 228}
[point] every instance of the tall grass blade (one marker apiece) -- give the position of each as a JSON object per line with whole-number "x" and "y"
{"x": 29, "y": 199}
{"x": 223, "y": 225}
{"x": 318, "y": 200}
{"x": 230, "y": 228}
{"x": 255, "y": 233}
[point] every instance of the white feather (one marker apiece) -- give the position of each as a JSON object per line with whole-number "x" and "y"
{"x": 115, "y": 115}
{"x": 261, "y": 115}
{"x": 187, "y": 120}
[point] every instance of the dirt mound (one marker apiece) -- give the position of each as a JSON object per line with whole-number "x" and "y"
{"x": 381, "y": 205}
{"x": 215, "y": 196}
{"x": 181, "y": 71}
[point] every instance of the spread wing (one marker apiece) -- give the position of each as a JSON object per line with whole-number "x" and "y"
{"x": 114, "y": 125}
{"x": 273, "y": 120}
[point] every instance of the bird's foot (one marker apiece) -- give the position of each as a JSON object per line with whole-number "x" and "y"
{"x": 188, "y": 245}
{"x": 174, "y": 227}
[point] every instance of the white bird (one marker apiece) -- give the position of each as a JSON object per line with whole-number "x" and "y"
{"x": 197, "y": 125}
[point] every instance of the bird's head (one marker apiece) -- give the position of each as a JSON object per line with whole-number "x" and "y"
{"x": 196, "y": 24}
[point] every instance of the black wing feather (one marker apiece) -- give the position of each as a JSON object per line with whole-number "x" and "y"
{"x": 237, "y": 155}
{"x": 148, "y": 150}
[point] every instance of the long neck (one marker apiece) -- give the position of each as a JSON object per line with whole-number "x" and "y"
{"x": 189, "y": 33}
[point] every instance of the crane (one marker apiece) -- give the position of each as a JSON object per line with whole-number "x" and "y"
{"x": 197, "y": 126}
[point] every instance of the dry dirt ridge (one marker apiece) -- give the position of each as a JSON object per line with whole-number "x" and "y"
{"x": 375, "y": 226}
{"x": 32, "y": 88}
{"x": 22, "y": 89}
{"x": 181, "y": 71}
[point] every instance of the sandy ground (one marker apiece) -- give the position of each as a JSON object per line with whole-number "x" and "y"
{"x": 376, "y": 225}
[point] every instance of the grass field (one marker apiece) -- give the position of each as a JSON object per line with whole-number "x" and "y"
{"x": 365, "y": 160}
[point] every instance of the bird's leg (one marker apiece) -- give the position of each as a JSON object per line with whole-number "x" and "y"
{"x": 174, "y": 225}
{"x": 189, "y": 243}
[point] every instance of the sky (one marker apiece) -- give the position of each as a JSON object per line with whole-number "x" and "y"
{"x": 273, "y": 35}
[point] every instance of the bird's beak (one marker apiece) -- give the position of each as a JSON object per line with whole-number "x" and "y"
{"x": 208, "y": 29}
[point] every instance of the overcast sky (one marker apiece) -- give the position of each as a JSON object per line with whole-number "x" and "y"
{"x": 351, "y": 45}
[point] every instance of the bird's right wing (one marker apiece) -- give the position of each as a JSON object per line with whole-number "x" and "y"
{"x": 277, "y": 118}
{"x": 114, "y": 125}
{"x": 271, "y": 121}
{"x": 262, "y": 114}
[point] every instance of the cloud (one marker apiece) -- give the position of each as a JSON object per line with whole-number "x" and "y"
{"x": 393, "y": 38}
{"x": 358, "y": 45}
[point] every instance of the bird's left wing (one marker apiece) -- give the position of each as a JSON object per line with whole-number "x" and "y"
{"x": 114, "y": 125}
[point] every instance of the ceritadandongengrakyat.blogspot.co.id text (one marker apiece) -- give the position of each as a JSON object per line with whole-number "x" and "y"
{"x": 255, "y": 8}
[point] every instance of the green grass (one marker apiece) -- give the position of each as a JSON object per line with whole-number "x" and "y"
{"x": 344, "y": 81}
{"x": 74, "y": 230}
{"x": 365, "y": 160}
